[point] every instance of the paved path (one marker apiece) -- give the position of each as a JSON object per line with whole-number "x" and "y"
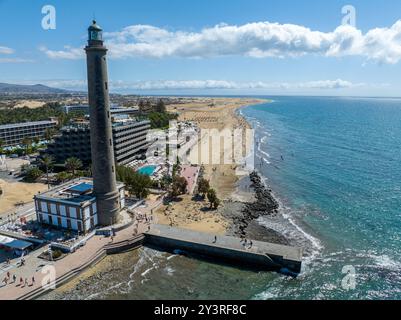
{"x": 233, "y": 243}
{"x": 34, "y": 265}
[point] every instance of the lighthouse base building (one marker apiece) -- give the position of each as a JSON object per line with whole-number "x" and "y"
{"x": 72, "y": 206}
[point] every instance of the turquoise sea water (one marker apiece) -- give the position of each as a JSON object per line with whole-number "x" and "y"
{"x": 334, "y": 163}
{"x": 335, "y": 166}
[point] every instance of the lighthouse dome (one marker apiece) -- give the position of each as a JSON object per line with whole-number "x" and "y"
{"x": 95, "y": 32}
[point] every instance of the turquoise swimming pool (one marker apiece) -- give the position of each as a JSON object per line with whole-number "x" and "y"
{"x": 147, "y": 170}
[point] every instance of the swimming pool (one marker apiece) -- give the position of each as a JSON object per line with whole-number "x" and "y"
{"x": 147, "y": 170}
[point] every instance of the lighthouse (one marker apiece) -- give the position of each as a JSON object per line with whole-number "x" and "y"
{"x": 103, "y": 163}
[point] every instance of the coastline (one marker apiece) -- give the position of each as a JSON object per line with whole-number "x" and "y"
{"x": 246, "y": 199}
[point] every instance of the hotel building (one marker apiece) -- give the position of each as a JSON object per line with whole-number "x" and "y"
{"x": 129, "y": 141}
{"x": 13, "y": 134}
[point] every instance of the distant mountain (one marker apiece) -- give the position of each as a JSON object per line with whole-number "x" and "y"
{"x": 6, "y": 88}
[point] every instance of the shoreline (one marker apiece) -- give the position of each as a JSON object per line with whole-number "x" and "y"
{"x": 238, "y": 216}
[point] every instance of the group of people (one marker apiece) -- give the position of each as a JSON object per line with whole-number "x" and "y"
{"x": 22, "y": 282}
{"x": 142, "y": 219}
{"x": 247, "y": 243}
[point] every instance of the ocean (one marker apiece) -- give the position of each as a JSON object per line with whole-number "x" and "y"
{"x": 334, "y": 166}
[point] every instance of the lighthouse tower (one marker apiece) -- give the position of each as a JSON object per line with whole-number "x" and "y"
{"x": 103, "y": 164}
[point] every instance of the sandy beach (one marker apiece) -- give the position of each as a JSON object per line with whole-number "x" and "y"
{"x": 15, "y": 193}
{"x": 209, "y": 113}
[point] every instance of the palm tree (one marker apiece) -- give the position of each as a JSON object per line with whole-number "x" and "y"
{"x": 49, "y": 133}
{"x": 1, "y": 145}
{"x": 73, "y": 164}
{"x": 27, "y": 142}
{"x": 47, "y": 161}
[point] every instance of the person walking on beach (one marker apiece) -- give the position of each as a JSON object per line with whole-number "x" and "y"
{"x": 33, "y": 280}
{"x": 215, "y": 239}
{"x": 14, "y": 278}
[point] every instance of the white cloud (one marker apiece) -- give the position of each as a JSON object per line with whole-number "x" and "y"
{"x": 15, "y": 60}
{"x": 68, "y": 53}
{"x": 257, "y": 40}
{"x": 6, "y": 50}
{"x": 224, "y": 85}
{"x": 201, "y": 85}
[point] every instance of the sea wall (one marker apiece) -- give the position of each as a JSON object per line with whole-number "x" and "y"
{"x": 270, "y": 257}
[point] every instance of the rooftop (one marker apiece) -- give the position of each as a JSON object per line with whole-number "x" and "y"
{"x": 27, "y": 124}
{"x": 77, "y": 191}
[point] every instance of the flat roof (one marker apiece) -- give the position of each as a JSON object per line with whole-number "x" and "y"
{"x": 26, "y": 124}
{"x": 81, "y": 188}
{"x": 14, "y": 243}
{"x": 77, "y": 191}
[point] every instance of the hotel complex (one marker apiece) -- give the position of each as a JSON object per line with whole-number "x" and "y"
{"x": 13, "y": 134}
{"x": 129, "y": 141}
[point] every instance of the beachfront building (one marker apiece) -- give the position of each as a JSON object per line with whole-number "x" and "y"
{"x": 114, "y": 110}
{"x": 13, "y": 134}
{"x": 129, "y": 141}
{"x": 72, "y": 206}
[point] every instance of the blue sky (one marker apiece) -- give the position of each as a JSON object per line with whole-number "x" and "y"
{"x": 174, "y": 47}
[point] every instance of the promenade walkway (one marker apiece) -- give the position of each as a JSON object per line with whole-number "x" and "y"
{"x": 92, "y": 252}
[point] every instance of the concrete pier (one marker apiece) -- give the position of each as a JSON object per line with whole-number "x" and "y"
{"x": 262, "y": 255}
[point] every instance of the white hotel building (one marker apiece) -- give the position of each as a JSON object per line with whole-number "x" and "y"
{"x": 71, "y": 206}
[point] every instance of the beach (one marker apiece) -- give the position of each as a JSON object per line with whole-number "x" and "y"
{"x": 16, "y": 194}
{"x": 220, "y": 114}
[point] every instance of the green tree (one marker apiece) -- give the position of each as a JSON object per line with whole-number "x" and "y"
{"x": 141, "y": 106}
{"x": 27, "y": 143}
{"x": 179, "y": 186}
{"x": 32, "y": 174}
{"x": 203, "y": 187}
{"x": 161, "y": 120}
{"x": 137, "y": 184}
{"x": 160, "y": 107}
{"x": 49, "y": 134}
{"x": 63, "y": 177}
{"x": 212, "y": 197}
{"x": 2, "y": 143}
{"x": 148, "y": 105}
{"x": 73, "y": 164}
{"x": 166, "y": 181}
{"x": 47, "y": 162}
